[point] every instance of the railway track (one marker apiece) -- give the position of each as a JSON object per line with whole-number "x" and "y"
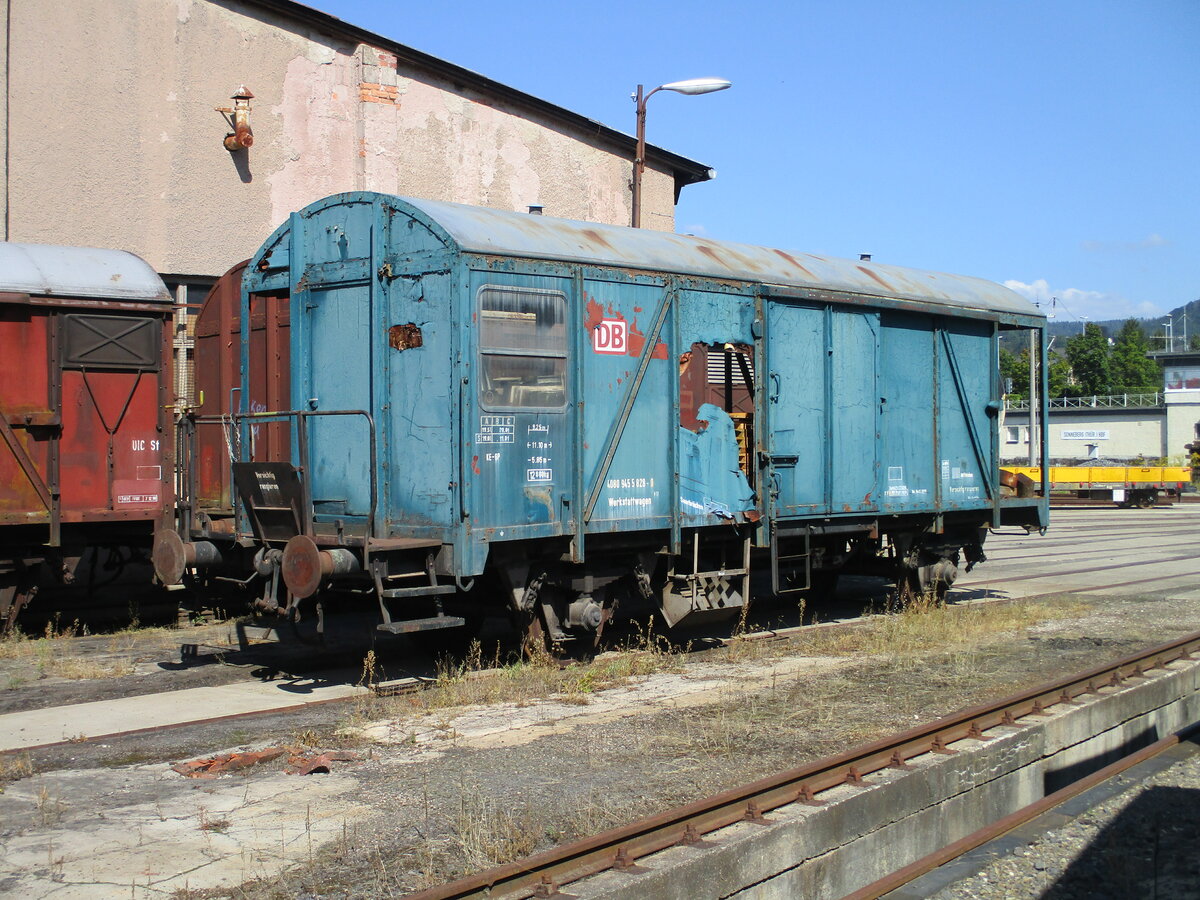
{"x": 1003, "y": 826}
{"x": 544, "y": 874}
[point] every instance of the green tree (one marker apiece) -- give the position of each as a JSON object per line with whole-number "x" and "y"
{"x": 1015, "y": 368}
{"x": 1088, "y": 355}
{"x": 1132, "y": 370}
{"x": 1058, "y": 374}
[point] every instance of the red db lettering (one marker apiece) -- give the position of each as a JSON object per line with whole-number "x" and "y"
{"x": 609, "y": 336}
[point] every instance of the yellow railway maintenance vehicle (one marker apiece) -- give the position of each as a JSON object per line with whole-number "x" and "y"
{"x": 1124, "y": 485}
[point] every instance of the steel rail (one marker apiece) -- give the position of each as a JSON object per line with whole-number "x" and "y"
{"x": 619, "y": 848}
{"x": 1002, "y": 826}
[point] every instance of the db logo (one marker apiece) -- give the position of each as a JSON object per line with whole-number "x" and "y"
{"x": 609, "y": 336}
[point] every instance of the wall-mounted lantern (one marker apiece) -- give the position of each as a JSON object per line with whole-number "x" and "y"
{"x": 241, "y": 138}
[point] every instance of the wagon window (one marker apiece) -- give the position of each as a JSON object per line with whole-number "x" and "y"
{"x": 111, "y": 342}
{"x": 523, "y": 343}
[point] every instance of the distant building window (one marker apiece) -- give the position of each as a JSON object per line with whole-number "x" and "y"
{"x": 523, "y": 345}
{"x": 1014, "y": 434}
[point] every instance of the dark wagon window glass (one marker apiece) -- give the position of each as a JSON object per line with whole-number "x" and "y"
{"x": 523, "y": 343}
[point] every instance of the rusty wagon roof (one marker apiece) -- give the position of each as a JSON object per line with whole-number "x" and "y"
{"x": 51, "y": 270}
{"x": 498, "y": 232}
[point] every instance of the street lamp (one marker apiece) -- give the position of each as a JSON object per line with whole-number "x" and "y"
{"x": 691, "y": 86}
{"x": 1169, "y": 337}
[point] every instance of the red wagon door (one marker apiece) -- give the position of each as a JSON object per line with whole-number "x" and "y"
{"x": 28, "y": 412}
{"x": 112, "y": 445}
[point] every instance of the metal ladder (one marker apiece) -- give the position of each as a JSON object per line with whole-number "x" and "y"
{"x": 792, "y": 562}
{"x": 694, "y": 578}
{"x": 432, "y": 589}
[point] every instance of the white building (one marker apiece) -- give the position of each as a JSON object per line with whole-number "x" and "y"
{"x": 1121, "y": 428}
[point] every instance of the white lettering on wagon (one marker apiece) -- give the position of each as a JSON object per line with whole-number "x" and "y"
{"x": 496, "y": 430}
{"x": 616, "y": 484}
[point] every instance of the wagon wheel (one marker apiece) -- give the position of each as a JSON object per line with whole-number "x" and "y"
{"x": 535, "y": 637}
{"x": 15, "y": 596}
{"x": 307, "y": 623}
{"x": 917, "y": 585}
{"x": 907, "y": 591}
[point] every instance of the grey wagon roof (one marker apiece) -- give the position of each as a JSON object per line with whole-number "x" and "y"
{"x": 498, "y": 232}
{"x": 50, "y": 270}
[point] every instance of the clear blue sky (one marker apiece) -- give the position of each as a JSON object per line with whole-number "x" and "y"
{"x": 1050, "y": 144}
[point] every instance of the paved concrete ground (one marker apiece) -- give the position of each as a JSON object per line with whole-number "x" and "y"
{"x": 1095, "y": 548}
{"x": 23, "y": 730}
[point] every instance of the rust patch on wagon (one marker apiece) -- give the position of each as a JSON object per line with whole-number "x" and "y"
{"x": 795, "y": 262}
{"x": 636, "y": 340}
{"x": 595, "y": 312}
{"x": 712, "y": 254}
{"x": 405, "y": 337}
{"x": 592, "y": 235}
{"x": 875, "y": 278}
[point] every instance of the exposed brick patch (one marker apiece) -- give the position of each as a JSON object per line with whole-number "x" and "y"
{"x": 369, "y": 92}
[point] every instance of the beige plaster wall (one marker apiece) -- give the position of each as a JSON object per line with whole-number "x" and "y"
{"x": 114, "y": 140}
{"x": 1130, "y": 434}
{"x": 1183, "y": 415}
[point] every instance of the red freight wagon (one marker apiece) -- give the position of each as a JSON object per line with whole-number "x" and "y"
{"x": 206, "y": 433}
{"x": 218, "y": 385}
{"x": 86, "y": 453}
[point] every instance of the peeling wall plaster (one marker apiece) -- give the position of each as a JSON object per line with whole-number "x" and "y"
{"x": 132, "y": 158}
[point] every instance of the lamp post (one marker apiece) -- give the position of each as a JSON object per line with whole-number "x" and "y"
{"x": 691, "y": 86}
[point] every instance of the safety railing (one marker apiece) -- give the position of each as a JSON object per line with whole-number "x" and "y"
{"x": 1110, "y": 401}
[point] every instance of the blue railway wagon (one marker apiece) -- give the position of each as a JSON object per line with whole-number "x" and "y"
{"x": 565, "y": 415}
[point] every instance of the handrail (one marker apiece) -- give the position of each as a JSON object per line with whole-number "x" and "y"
{"x": 1096, "y": 401}
{"x": 302, "y": 438}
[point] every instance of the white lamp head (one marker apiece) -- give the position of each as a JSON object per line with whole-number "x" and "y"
{"x": 697, "y": 86}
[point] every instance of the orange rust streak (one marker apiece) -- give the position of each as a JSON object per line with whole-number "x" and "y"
{"x": 795, "y": 262}
{"x": 876, "y": 278}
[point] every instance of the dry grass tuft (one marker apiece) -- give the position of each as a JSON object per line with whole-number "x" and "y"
{"x": 909, "y": 636}
{"x": 479, "y": 680}
{"x": 69, "y": 651}
{"x": 489, "y": 835}
{"x": 14, "y": 767}
{"x": 59, "y": 652}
